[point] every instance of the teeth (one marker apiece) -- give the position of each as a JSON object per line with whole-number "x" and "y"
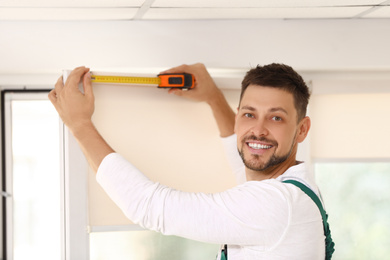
{"x": 259, "y": 146}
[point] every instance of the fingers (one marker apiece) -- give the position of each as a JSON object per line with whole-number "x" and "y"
{"x": 182, "y": 93}
{"x": 72, "y": 81}
{"x": 52, "y": 96}
{"x": 87, "y": 85}
{"x": 177, "y": 92}
{"x": 59, "y": 85}
{"x": 75, "y": 76}
{"x": 57, "y": 89}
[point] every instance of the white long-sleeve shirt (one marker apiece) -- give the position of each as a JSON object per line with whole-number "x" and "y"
{"x": 257, "y": 219}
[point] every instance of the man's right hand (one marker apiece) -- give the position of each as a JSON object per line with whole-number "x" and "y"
{"x": 205, "y": 90}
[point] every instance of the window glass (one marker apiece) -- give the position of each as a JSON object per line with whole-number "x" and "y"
{"x": 35, "y": 180}
{"x": 357, "y": 198}
{"x": 147, "y": 245}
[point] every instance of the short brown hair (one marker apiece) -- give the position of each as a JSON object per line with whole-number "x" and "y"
{"x": 283, "y": 77}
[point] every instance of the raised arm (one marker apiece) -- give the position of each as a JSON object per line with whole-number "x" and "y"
{"x": 75, "y": 110}
{"x": 205, "y": 90}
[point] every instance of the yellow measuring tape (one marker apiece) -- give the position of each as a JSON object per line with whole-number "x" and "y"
{"x": 125, "y": 80}
{"x": 178, "y": 80}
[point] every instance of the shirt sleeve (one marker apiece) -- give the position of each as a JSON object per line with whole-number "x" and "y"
{"x": 234, "y": 158}
{"x": 242, "y": 215}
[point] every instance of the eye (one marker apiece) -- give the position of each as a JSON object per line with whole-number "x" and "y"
{"x": 249, "y": 115}
{"x": 277, "y": 118}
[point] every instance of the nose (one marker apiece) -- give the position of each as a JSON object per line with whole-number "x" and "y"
{"x": 260, "y": 128}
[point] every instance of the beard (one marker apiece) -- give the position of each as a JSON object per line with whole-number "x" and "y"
{"x": 254, "y": 163}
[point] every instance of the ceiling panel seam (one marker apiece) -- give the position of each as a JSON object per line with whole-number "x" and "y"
{"x": 143, "y": 9}
{"x": 368, "y": 11}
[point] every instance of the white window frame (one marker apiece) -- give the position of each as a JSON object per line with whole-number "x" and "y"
{"x": 74, "y": 170}
{"x": 73, "y": 185}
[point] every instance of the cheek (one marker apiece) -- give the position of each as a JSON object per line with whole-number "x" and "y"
{"x": 241, "y": 127}
{"x": 284, "y": 136}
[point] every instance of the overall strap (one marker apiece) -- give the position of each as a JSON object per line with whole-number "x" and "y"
{"x": 328, "y": 241}
{"x": 224, "y": 252}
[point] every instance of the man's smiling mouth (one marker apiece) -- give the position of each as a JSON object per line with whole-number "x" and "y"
{"x": 258, "y": 146}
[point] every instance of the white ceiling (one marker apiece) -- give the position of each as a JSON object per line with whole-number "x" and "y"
{"x": 76, "y": 10}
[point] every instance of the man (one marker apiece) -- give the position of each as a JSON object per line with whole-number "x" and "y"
{"x": 263, "y": 218}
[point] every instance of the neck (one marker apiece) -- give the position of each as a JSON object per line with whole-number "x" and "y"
{"x": 272, "y": 172}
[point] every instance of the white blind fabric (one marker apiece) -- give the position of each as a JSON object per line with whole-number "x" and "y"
{"x": 172, "y": 140}
{"x": 350, "y": 126}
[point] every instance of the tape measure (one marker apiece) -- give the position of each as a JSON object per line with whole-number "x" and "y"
{"x": 180, "y": 80}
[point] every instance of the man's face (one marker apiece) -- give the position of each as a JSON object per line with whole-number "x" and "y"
{"x": 266, "y": 127}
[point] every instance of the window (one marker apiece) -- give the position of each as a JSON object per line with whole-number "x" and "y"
{"x": 145, "y": 245}
{"x": 32, "y": 177}
{"x": 357, "y": 198}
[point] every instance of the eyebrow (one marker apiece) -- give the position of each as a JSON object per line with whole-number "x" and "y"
{"x": 274, "y": 109}
{"x": 248, "y": 108}
{"x": 278, "y": 109}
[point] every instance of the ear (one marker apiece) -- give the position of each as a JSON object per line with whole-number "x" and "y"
{"x": 303, "y": 129}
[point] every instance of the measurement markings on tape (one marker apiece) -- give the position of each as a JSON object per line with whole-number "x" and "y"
{"x": 125, "y": 80}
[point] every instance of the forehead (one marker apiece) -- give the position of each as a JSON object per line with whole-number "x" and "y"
{"x": 261, "y": 97}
